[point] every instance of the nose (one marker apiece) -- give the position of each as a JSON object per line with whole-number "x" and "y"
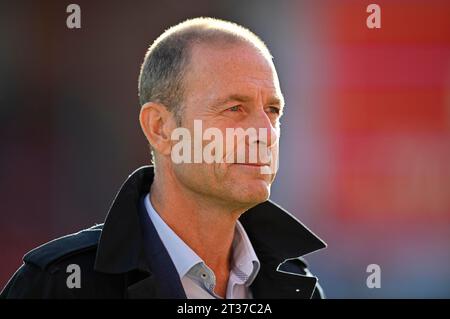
{"x": 268, "y": 132}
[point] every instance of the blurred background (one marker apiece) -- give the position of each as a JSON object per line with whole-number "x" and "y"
{"x": 365, "y": 146}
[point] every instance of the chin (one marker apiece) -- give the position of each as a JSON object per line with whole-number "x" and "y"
{"x": 252, "y": 193}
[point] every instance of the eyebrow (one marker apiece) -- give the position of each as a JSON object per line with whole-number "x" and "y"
{"x": 274, "y": 100}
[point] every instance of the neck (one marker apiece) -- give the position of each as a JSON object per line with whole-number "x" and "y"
{"x": 205, "y": 225}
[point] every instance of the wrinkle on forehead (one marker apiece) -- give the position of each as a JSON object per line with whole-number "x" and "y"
{"x": 216, "y": 71}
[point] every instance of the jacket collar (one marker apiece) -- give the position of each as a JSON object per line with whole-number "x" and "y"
{"x": 275, "y": 234}
{"x": 121, "y": 244}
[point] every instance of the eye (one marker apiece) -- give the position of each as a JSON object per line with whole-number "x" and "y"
{"x": 274, "y": 109}
{"x": 235, "y": 108}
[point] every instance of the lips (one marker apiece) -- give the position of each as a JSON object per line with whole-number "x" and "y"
{"x": 252, "y": 164}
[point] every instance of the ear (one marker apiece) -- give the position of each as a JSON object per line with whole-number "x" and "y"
{"x": 157, "y": 124}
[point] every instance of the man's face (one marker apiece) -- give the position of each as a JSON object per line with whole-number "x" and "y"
{"x": 231, "y": 86}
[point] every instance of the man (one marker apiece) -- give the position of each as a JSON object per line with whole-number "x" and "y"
{"x": 194, "y": 228}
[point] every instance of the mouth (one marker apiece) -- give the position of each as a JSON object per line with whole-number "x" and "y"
{"x": 255, "y": 168}
{"x": 252, "y": 164}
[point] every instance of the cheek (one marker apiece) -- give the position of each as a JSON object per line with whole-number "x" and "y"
{"x": 197, "y": 177}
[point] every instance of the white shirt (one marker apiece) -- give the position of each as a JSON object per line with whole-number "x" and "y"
{"x": 197, "y": 278}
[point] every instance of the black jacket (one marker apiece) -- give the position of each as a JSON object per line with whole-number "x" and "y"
{"x": 124, "y": 257}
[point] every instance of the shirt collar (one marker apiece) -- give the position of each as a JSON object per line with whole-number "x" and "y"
{"x": 181, "y": 254}
{"x": 245, "y": 261}
{"x": 244, "y": 258}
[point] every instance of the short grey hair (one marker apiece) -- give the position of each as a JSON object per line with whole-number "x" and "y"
{"x": 167, "y": 60}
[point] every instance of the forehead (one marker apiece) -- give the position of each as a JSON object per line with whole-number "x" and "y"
{"x": 221, "y": 69}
